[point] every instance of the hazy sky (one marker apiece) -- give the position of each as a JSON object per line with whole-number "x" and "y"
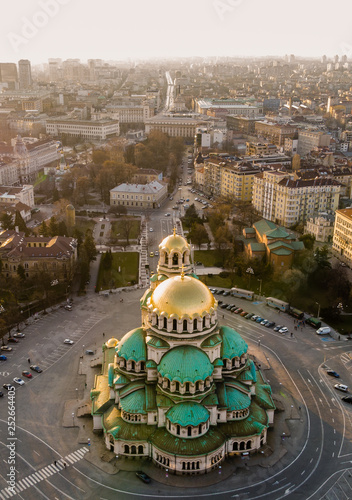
{"x": 120, "y": 29}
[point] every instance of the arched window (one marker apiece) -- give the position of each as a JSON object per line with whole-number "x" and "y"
{"x": 242, "y": 445}
{"x": 126, "y": 449}
{"x": 185, "y": 324}
{"x": 189, "y": 431}
{"x": 195, "y": 324}
{"x": 165, "y": 322}
{"x": 140, "y": 450}
{"x": 178, "y": 430}
{"x": 235, "y": 446}
{"x": 187, "y": 386}
{"x": 175, "y": 259}
{"x": 249, "y": 445}
{"x": 177, "y": 386}
{"x": 142, "y": 365}
{"x": 204, "y": 322}
{"x": 133, "y": 450}
{"x": 166, "y": 258}
{"x": 200, "y": 429}
{"x": 174, "y": 324}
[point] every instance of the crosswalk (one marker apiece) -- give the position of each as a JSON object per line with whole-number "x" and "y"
{"x": 43, "y": 474}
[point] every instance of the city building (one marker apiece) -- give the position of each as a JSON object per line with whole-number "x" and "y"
{"x": 139, "y": 196}
{"x": 174, "y": 125}
{"x": 146, "y": 175}
{"x": 85, "y": 129}
{"x": 283, "y": 200}
{"x": 321, "y": 226}
{"x": 274, "y": 132}
{"x": 181, "y": 389}
{"x": 342, "y": 237}
{"x": 21, "y": 194}
{"x": 24, "y": 74}
{"x": 258, "y": 148}
{"x": 37, "y": 254}
{"x": 279, "y": 246}
{"x": 309, "y": 140}
{"x": 8, "y": 75}
{"x": 229, "y": 106}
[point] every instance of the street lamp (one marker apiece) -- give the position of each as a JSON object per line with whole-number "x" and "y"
{"x": 317, "y": 303}
{"x": 250, "y": 272}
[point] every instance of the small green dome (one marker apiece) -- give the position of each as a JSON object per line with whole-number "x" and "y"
{"x": 236, "y": 399}
{"x": 188, "y": 413}
{"x": 134, "y": 402}
{"x": 185, "y": 364}
{"x": 233, "y": 344}
{"x": 132, "y": 345}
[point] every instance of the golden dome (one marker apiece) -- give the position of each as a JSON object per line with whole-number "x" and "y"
{"x": 180, "y": 296}
{"x": 174, "y": 242}
{"x": 111, "y": 342}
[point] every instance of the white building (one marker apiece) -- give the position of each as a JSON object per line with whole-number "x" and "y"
{"x": 321, "y": 227}
{"x": 138, "y": 196}
{"x": 88, "y": 130}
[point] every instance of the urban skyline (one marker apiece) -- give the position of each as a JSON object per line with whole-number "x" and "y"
{"x": 38, "y": 30}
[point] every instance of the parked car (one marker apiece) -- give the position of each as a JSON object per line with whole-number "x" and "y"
{"x": 18, "y": 381}
{"x": 347, "y": 399}
{"x": 332, "y": 373}
{"x": 224, "y": 305}
{"x": 1, "y": 394}
{"x": 277, "y": 328}
{"x": 264, "y": 322}
{"x": 19, "y": 335}
{"x": 27, "y": 374}
{"x": 341, "y": 387}
{"x": 254, "y": 317}
{"x": 90, "y": 352}
{"x": 229, "y": 307}
{"x": 6, "y": 348}
{"x": 324, "y": 330}
{"x": 8, "y": 387}
{"x": 68, "y": 307}
{"x": 243, "y": 314}
{"x": 249, "y": 315}
{"x": 156, "y": 253}
{"x": 259, "y": 319}
{"x": 283, "y": 330}
{"x": 238, "y": 310}
{"x": 36, "y": 368}
{"x": 143, "y": 476}
{"x": 220, "y": 302}
{"x": 14, "y": 341}
{"x": 3, "y": 357}
{"x": 270, "y": 324}
{"x": 151, "y": 254}
{"x": 68, "y": 341}
{"x": 226, "y": 293}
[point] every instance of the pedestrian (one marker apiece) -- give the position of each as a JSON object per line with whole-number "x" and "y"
{"x": 295, "y": 327}
{"x": 65, "y": 465}
{"x": 299, "y": 408}
{"x": 29, "y": 360}
{"x": 291, "y": 334}
{"x": 223, "y": 316}
{"x": 259, "y": 343}
{"x": 103, "y": 334}
{"x": 55, "y": 463}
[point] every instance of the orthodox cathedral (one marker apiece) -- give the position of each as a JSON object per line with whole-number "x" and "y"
{"x": 180, "y": 389}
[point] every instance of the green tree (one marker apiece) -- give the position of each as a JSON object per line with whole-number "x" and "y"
{"x": 89, "y": 246}
{"x": 6, "y": 221}
{"x": 198, "y": 235}
{"x": 308, "y": 240}
{"x": 53, "y": 227}
{"x": 43, "y": 230}
{"x": 99, "y": 156}
{"x": 21, "y": 272}
{"x": 20, "y": 223}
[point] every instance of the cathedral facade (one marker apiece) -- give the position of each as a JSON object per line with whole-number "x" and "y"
{"x": 180, "y": 389}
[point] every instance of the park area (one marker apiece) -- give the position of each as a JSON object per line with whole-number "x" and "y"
{"x": 118, "y": 270}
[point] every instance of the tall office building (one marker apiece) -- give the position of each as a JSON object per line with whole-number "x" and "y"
{"x": 25, "y": 74}
{"x": 8, "y": 74}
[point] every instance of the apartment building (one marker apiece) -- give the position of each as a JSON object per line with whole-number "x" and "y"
{"x": 257, "y": 148}
{"x": 280, "y": 199}
{"x": 130, "y": 113}
{"x": 86, "y": 129}
{"x": 321, "y": 226}
{"x": 21, "y": 194}
{"x": 274, "y": 132}
{"x": 138, "y": 196}
{"x": 342, "y": 237}
{"x": 309, "y": 140}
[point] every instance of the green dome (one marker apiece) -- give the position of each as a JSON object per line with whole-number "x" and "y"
{"x": 188, "y": 414}
{"x": 132, "y": 345}
{"x": 233, "y": 344}
{"x": 185, "y": 364}
{"x": 134, "y": 402}
{"x": 236, "y": 399}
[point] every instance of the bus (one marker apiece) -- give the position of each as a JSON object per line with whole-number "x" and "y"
{"x": 296, "y": 313}
{"x": 314, "y": 322}
{"x": 277, "y": 304}
{"x": 243, "y": 294}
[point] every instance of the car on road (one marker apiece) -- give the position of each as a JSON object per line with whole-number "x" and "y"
{"x": 143, "y": 476}
{"x": 6, "y": 348}
{"x": 224, "y": 305}
{"x": 254, "y": 317}
{"x": 243, "y": 314}
{"x": 175, "y": 207}
{"x": 19, "y": 335}
{"x": 68, "y": 307}
{"x": 278, "y": 327}
{"x": 332, "y": 373}
{"x": 14, "y": 341}
{"x": 264, "y": 322}
{"x": 36, "y": 368}
{"x": 249, "y": 315}
{"x": 226, "y": 293}
{"x": 283, "y": 330}
{"x": 18, "y": 381}
{"x": 270, "y": 324}
{"x": 151, "y": 229}
{"x": 1, "y": 394}
{"x": 168, "y": 214}
{"x": 3, "y": 357}
{"x": 68, "y": 341}
{"x": 8, "y": 387}
{"x": 151, "y": 254}
{"x": 238, "y": 310}
{"x": 341, "y": 387}
{"x": 259, "y": 319}
{"x": 347, "y": 399}
{"x": 27, "y": 374}
{"x": 233, "y": 308}
{"x": 229, "y": 307}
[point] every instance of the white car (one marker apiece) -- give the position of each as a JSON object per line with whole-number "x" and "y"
{"x": 68, "y": 341}
{"x": 283, "y": 330}
{"x": 18, "y": 381}
{"x": 19, "y": 335}
{"x": 340, "y": 387}
{"x": 151, "y": 229}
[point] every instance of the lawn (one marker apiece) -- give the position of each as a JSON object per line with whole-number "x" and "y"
{"x": 117, "y": 229}
{"x": 210, "y": 258}
{"x": 84, "y": 224}
{"x": 123, "y": 272}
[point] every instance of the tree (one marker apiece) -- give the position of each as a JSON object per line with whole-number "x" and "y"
{"x": 118, "y": 209}
{"x": 321, "y": 255}
{"x": 20, "y": 223}
{"x": 59, "y": 209}
{"x": 53, "y": 227}
{"x": 308, "y": 240}
{"x": 99, "y": 156}
{"x": 82, "y": 189}
{"x": 43, "y": 230}
{"x": 89, "y": 246}
{"x": 198, "y": 235}
{"x": 126, "y": 225}
{"x": 6, "y": 221}
{"x": 21, "y": 272}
